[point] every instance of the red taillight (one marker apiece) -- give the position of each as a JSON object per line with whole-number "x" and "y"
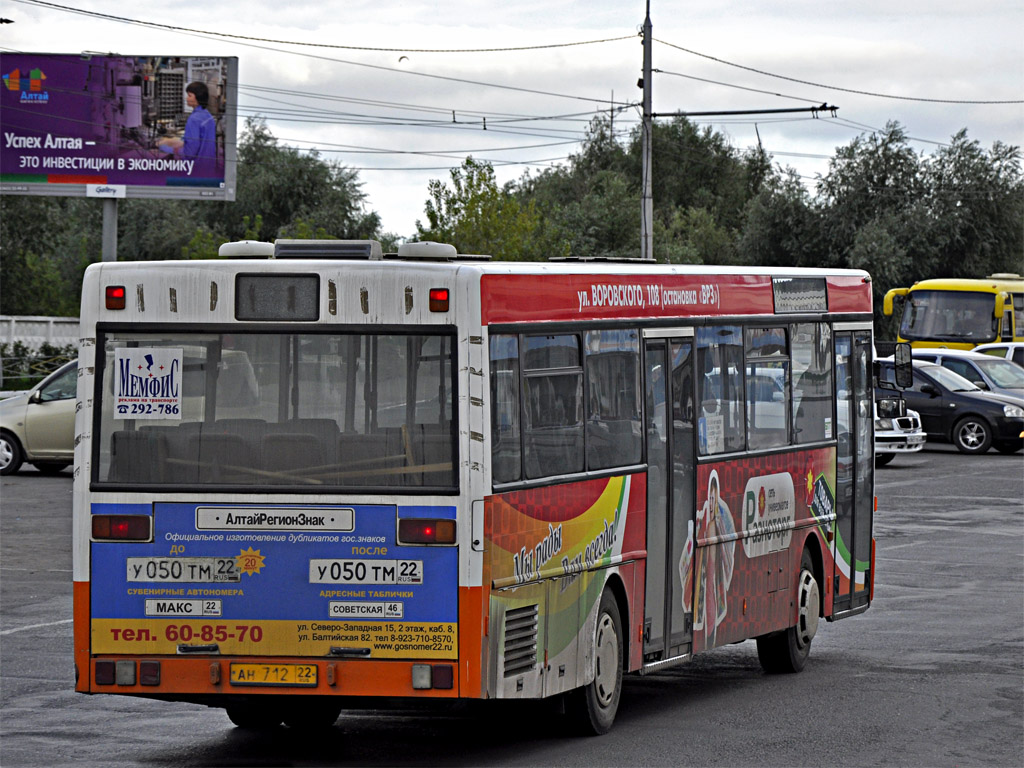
{"x": 120, "y": 527}
{"x": 115, "y": 297}
{"x": 416, "y": 531}
{"x": 438, "y": 299}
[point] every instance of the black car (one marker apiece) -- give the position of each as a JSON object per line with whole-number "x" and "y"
{"x": 955, "y": 410}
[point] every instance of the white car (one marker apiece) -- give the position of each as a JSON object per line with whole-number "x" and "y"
{"x": 1011, "y": 350}
{"x": 38, "y": 426}
{"x": 897, "y": 434}
{"x": 987, "y": 372}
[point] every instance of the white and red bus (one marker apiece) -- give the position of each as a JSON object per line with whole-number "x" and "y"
{"x": 330, "y": 474}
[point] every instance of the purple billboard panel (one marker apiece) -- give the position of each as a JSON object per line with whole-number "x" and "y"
{"x": 118, "y": 126}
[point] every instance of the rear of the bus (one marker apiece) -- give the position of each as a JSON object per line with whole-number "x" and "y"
{"x": 266, "y": 506}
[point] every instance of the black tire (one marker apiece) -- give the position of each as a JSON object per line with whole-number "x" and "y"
{"x": 312, "y": 715}
{"x": 787, "y": 651}
{"x": 1009, "y": 448}
{"x": 972, "y": 434}
{"x": 593, "y": 706}
{"x": 254, "y": 716}
{"x": 51, "y": 469}
{"x": 881, "y": 459}
{"x": 11, "y": 455}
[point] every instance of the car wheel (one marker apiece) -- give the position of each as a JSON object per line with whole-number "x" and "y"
{"x": 972, "y": 435}
{"x": 11, "y": 456}
{"x": 787, "y": 651}
{"x": 881, "y": 459}
{"x": 1009, "y": 448}
{"x": 51, "y": 469}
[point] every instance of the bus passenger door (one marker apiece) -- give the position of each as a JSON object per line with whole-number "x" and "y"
{"x": 854, "y": 471}
{"x": 668, "y": 624}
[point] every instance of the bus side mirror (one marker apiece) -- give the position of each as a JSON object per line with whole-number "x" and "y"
{"x": 903, "y": 367}
{"x": 889, "y": 296}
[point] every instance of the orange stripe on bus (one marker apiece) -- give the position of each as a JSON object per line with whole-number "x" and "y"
{"x": 80, "y": 612}
{"x": 471, "y": 638}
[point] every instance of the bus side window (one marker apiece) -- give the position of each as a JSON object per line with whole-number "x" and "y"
{"x": 720, "y": 428}
{"x": 506, "y": 454}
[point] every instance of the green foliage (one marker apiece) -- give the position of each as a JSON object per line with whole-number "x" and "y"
{"x": 477, "y": 217}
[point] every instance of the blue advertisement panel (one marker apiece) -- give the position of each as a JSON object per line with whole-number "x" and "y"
{"x": 276, "y": 581}
{"x": 93, "y": 125}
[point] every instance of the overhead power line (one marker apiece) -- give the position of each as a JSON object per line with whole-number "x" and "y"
{"x": 174, "y": 28}
{"x": 836, "y": 87}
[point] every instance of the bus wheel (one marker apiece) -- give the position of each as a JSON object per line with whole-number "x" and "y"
{"x": 787, "y": 651}
{"x": 254, "y": 715}
{"x": 594, "y": 706}
{"x": 312, "y": 715}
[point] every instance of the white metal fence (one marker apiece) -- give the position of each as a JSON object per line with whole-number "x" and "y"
{"x": 33, "y": 330}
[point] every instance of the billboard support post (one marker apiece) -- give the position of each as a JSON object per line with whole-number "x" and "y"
{"x": 110, "y": 229}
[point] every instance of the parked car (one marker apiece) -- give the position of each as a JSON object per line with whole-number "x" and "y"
{"x": 984, "y": 371}
{"x": 953, "y": 410}
{"x": 897, "y": 434}
{"x": 38, "y": 426}
{"x": 1010, "y": 350}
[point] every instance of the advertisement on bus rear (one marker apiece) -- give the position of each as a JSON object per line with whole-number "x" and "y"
{"x": 276, "y": 581}
{"x": 93, "y": 125}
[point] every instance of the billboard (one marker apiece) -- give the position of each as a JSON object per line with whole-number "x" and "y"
{"x": 94, "y": 125}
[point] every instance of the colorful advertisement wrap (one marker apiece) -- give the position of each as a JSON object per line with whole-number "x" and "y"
{"x": 564, "y": 532}
{"x": 276, "y": 581}
{"x": 118, "y": 126}
{"x": 738, "y": 568}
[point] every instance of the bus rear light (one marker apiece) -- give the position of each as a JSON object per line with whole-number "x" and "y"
{"x": 124, "y": 673}
{"x": 149, "y": 673}
{"x": 116, "y": 296}
{"x": 121, "y": 527}
{"x": 104, "y": 674}
{"x": 442, "y": 676}
{"x": 438, "y": 299}
{"x": 417, "y": 531}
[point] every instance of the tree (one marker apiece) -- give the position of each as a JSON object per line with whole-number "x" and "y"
{"x": 475, "y": 216}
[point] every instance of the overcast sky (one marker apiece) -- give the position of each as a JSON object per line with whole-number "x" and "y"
{"x": 395, "y": 123}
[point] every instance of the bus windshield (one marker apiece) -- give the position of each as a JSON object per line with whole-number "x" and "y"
{"x": 949, "y": 316}
{"x": 299, "y": 411}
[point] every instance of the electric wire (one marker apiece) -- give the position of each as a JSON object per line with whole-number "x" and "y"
{"x": 834, "y": 87}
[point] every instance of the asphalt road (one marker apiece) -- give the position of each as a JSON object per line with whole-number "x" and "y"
{"x": 931, "y": 675}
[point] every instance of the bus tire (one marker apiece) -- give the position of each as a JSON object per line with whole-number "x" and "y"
{"x": 594, "y": 705}
{"x": 313, "y": 715}
{"x": 787, "y": 651}
{"x": 254, "y": 716}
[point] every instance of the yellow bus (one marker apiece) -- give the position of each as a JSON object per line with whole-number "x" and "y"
{"x": 960, "y": 313}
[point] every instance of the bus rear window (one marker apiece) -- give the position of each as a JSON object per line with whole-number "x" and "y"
{"x": 294, "y": 411}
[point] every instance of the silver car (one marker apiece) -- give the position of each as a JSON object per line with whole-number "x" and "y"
{"x": 38, "y": 426}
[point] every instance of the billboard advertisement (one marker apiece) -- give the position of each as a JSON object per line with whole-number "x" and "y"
{"x": 93, "y": 125}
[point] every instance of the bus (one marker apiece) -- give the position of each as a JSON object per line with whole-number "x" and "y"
{"x": 317, "y": 476}
{"x": 960, "y": 313}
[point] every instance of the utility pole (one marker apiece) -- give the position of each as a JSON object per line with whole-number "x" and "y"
{"x": 647, "y": 194}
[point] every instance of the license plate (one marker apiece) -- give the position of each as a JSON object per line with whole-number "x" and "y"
{"x": 182, "y": 570}
{"x": 302, "y": 675}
